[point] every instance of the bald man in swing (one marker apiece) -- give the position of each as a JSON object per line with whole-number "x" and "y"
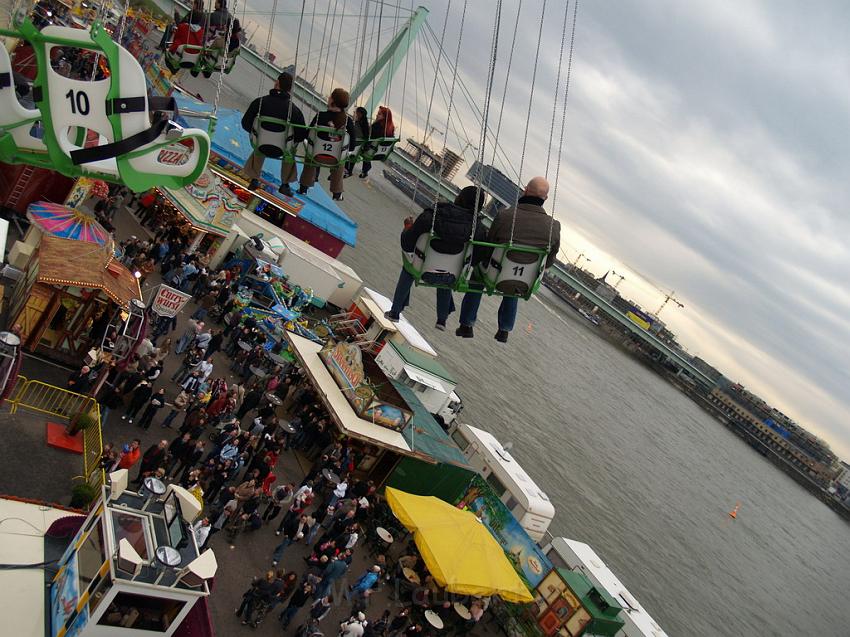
{"x": 527, "y": 224}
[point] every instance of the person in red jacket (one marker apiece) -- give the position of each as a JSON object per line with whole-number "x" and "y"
{"x": 130, "y": 455}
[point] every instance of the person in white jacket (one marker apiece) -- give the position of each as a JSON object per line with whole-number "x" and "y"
{"x": 354, "y": 627}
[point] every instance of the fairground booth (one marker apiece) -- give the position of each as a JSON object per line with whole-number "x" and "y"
{"x": 130, "y": 567}
{"x": 72, "y": 281}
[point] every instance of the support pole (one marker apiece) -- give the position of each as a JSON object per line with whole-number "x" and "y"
{"x": 391, "y": 58}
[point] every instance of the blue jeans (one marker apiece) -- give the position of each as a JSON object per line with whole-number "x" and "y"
{"x": 278, "y": 552}
{"x": 104, "y": 414}
{"x": 401, "y": 297}
{"x": 507, "y": 310}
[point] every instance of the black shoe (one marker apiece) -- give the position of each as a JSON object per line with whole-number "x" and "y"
{"x": 253, "y": 184}
{"x": 337, "y": 196}
{"x": 302, "y": 190}
{"x": 395, "y": 318}
{"x": 363, "y": 175}
{"x": 440, "y": 326}
{"x": 347, "y": 174}
{"x": 464, "y": 331}
{"x": 285, "y": 190}
{"x": 502, "y": 336}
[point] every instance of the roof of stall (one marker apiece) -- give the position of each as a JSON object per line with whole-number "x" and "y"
{"x": 424, "y": 434}
{"x": 86, "y": 265}
{"x": 232, "y": 142}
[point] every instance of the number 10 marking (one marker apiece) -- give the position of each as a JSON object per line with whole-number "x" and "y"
{"x": 79, "y": 102}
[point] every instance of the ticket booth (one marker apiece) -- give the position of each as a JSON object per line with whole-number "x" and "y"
{"x": 134, "y": 567}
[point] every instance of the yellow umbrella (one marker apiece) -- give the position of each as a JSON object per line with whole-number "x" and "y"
{"x": 459, "y": 551}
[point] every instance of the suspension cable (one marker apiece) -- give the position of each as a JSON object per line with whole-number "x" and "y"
{"x": 337, "y": 40}
{"x": 404, "y": 84}
{"x": 528, "y": 116}
{"x": 328, "y": 51}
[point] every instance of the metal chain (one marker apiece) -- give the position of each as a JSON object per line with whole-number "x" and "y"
{"x": 223, "y": 64}
{"x": 528, "y": 115}
{"x": 557, "y": 84}
{"x": 507, "y": 83}
{"x": 268, "y": 49}
{"x": 485, "y": 114}
{"x": 563, "y": 120}
{"x": 433, "y": 92}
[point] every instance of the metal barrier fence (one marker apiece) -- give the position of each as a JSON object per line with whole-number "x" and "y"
{"x": 35, "y": 395}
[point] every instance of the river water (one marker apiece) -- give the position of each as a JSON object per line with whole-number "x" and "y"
{"x": 633, "y": 467}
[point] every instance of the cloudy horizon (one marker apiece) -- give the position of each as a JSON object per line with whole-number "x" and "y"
{"x": 702, "y": 153}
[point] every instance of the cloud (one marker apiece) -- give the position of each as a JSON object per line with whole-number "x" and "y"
{"x": 705, "y": 151}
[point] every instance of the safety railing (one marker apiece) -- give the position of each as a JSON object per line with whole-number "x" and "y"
{"x": 35, "y": 395}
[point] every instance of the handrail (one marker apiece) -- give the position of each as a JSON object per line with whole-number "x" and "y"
{"x": 38, "y": 396}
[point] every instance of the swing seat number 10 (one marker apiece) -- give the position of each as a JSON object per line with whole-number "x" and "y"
{"x": 79, "y": 102}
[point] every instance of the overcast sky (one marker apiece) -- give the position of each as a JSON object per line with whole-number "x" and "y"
{"x": 706, "y": 152}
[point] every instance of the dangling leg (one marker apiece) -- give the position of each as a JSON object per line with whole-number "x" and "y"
{"x": 445, "y": 306}
{"x": 336, "y": 182}
{"x": 308, "y": 178}
{"x": 288, "y": 174}
{"x": 253, "y": 168}
{"x": 507, "y": 317}
{"x": 401, "y": 296}
{"x": 364, "y": 172}
{"x": 468, "y": 314}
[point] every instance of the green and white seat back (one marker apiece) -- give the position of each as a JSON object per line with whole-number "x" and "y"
{"x": 326, "y": 146}
{"x": 432, "y": 267}
{"x": 514, "y": 270}
{"x": 272, "y": 137}
{"x": 16, "y": 122}
{"x": 189, "y": 54}
{"x": 377, "y": 149}
{"x": 116, "y": 109}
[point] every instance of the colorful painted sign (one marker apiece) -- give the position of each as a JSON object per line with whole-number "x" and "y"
{"x": 80, "y": 192}
{"x": 168, "y": 302}
{"x": 345, "y": 363}
{"x": 220, "y": 205}
{"x": 528, "y": 560}
{"x": 64, "y": 598}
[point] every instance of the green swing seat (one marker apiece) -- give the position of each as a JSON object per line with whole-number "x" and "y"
{"x": 115, "y": 109}
{"x": 512, "y": 270}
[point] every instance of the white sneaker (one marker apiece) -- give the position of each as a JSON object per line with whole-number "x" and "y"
{"x": 277, "y": 533}
{"x": 124, "y": 417}
{"x": 274, "y": 563}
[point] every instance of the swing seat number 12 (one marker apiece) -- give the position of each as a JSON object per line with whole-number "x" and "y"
{"x": 79, "y": 102}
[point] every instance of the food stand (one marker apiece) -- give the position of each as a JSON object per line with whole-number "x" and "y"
{"x": 68, "y": 285}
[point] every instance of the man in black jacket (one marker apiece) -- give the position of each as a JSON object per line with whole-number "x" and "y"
{"x": 278, "y": 103}
{"x": 526, "y": 224}
{"x": 452, "y": 229}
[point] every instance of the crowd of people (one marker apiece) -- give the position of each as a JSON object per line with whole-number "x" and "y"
{"x": 227, "y": 430}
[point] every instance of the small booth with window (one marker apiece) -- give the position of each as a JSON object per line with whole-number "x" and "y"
{"x": 134, "y": 567}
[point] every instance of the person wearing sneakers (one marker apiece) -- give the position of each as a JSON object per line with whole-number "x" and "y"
{"x": 452, "y": 229}
{"x": 526, "y": 224}
{"x": 276, "y": 104}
